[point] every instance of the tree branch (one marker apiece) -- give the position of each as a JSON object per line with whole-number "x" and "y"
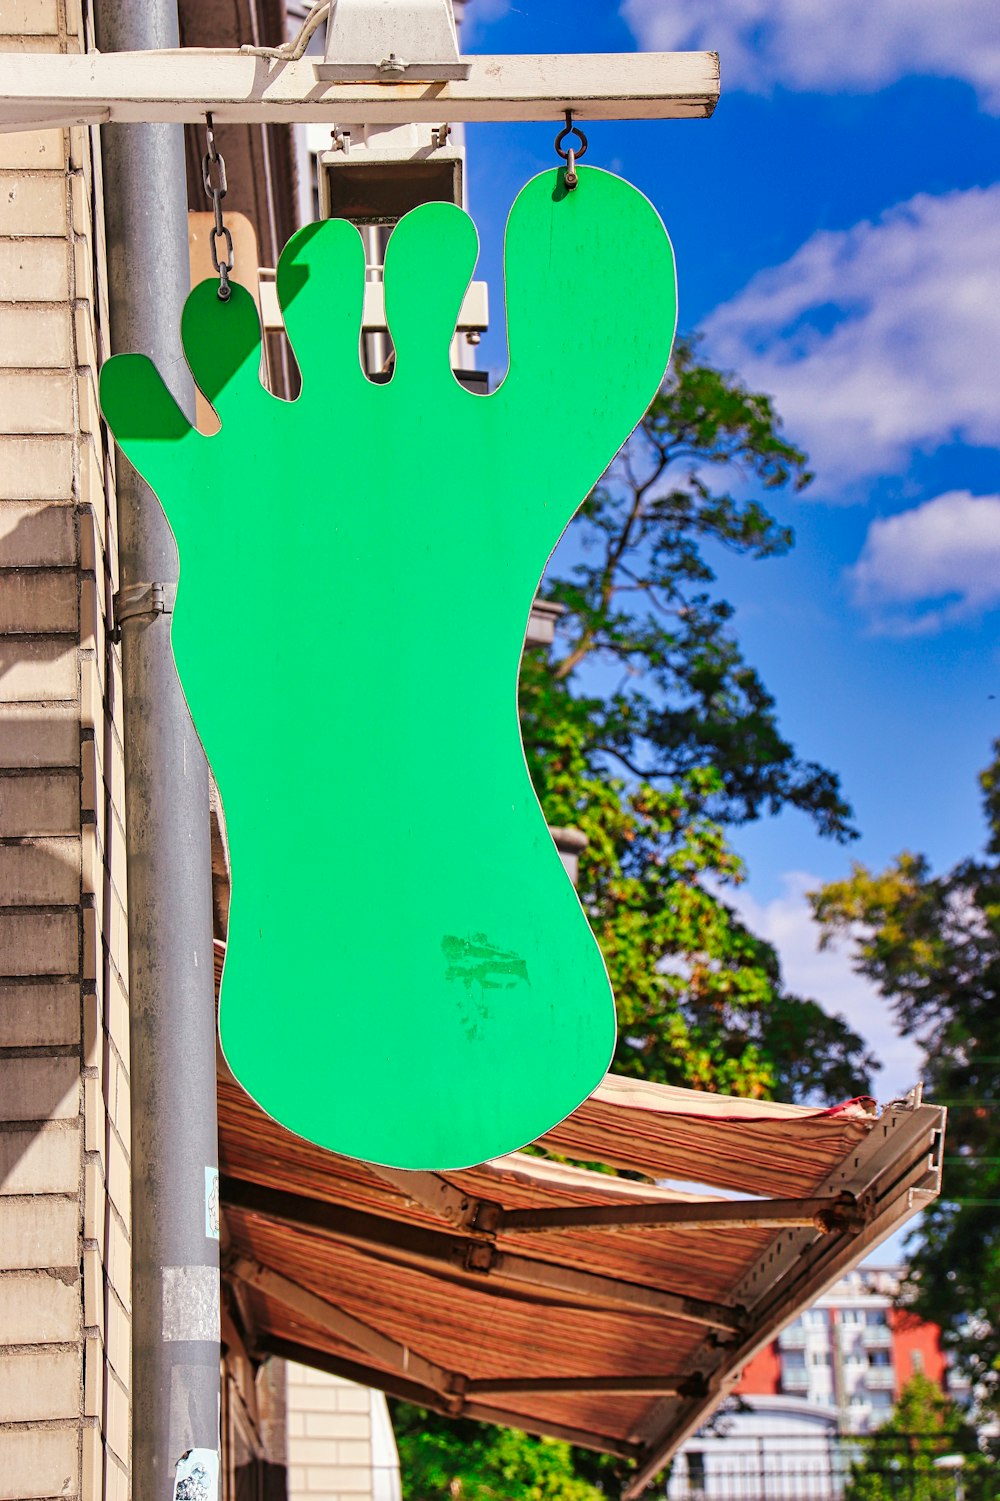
{"x": 616, "y": 549}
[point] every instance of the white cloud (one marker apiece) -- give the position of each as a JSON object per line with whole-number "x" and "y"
{"x": 932, "y": 566}
{"x": 880, "y": 339}
{"x": 827, "y": 45}
{"x": 826, "y": 976}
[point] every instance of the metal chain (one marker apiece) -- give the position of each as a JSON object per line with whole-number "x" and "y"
{"x": 213, "y": 173}
{"x": 572, "y": 154}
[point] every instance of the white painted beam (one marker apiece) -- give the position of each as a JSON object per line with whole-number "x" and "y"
{"x": 181, "y": 86}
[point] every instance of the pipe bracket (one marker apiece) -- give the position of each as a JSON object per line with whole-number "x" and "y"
{"x": 142, "y": 599}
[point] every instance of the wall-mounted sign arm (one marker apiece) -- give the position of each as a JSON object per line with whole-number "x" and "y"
{"x": 181, "y": 86}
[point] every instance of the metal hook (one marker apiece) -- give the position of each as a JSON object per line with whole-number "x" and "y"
{"x": 572, "y": 154}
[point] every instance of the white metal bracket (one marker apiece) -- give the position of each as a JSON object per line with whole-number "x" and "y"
{"x": 384, "y": 41}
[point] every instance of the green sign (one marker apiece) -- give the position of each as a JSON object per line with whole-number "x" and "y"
{"x": 409, "y": 976}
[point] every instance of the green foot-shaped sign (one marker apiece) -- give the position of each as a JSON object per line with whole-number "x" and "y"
{"x": 409, "y": 978}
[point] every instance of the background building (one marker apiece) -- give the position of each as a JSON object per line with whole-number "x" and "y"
{"x": 834, "y": 1371}
{"x": 852, "y": 1353}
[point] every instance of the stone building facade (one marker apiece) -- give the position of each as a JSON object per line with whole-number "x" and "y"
{"x": 64, "y": 1040}
{"x": 339, "y": 1444}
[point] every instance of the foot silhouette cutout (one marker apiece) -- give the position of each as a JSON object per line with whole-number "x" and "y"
{"x": 409, "y": 978}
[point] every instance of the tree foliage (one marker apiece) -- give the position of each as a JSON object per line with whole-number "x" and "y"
{"x": 675, "y": 693}
{"x": 647, "y": 730}
{"x": 899, "y": 1462}
{"x": 931, "y": 943}
{"x": 467, "y": 1461}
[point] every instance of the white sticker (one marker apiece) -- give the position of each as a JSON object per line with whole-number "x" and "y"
{"x": 191, "y": 1303}
{"x": 212, "y": 1203}
{"x": 196, "y": 1476}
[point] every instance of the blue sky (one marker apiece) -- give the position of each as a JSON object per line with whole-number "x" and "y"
{"x": 837, "y": 230}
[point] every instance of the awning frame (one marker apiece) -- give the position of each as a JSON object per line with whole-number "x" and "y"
{"x": 474, "y": 1254}
{"x": 896, "y": 1172}
{"x": 892, "y": 1172}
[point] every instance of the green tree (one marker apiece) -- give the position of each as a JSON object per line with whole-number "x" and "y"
{"x": 899, "y": 1458}
{"x": 676, "y": 693}
{"x": 931, "y": 943}
{"x": 647, "y": 729}
{"x": 467, "y": 1461}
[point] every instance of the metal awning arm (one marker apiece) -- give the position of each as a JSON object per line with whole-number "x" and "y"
{"x": 336, "y": 1321}
{"x": 826, "y": 1213}
{"x": 477, "y": 1259}
{"x": 436, "y": 1194}
{"x": 181, "y": 86}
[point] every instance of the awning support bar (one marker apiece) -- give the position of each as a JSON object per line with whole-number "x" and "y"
{"x": 409, "y": 1391}
{"x": 833, "y": 1212}
{"x": 436, "y": 1248}
{"x": 620, "y": 1386}
{"x": 335, "y": 1321}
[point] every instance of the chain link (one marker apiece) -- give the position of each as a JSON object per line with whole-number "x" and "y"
{"x": 213, "y": 174}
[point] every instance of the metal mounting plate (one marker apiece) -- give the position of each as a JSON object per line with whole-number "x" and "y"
{"x": 384, "y": 41}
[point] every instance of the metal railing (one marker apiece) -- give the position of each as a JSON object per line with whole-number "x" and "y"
{"x": 796, "y": 1468}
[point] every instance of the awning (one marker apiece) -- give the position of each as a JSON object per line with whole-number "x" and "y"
{"x": 608, "y": 1311}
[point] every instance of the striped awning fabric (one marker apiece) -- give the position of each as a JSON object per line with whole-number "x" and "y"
{"x": 545, "y": 1293}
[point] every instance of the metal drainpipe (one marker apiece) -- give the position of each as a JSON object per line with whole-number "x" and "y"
{"x": 175, "y": 1260}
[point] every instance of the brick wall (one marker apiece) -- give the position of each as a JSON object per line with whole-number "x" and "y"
{"x": 64, "y": 1088}
{"x": 339, "y": 1443}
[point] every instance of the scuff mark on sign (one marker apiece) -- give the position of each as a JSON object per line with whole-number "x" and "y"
{"x": 476, "y": 961}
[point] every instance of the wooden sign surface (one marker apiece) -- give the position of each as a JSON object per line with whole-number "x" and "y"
{"x": 409, "y": 978}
